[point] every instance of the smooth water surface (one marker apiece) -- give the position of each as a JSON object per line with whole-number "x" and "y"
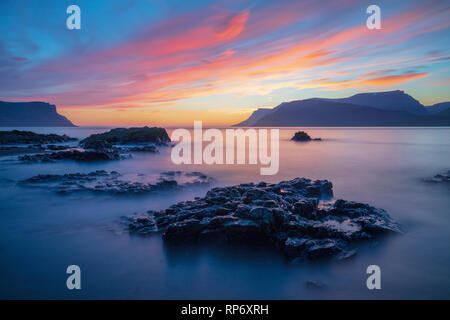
{"x": 41, "y": 232}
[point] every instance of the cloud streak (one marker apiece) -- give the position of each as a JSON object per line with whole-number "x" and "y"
{"x": 233, "y": 53}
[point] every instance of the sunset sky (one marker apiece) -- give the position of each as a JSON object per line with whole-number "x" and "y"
{"x": 147, "y": 62}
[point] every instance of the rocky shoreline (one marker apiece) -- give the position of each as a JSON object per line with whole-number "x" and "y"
{"x": 18, "y": 142}
{"x": 114, "y": 144}
{"x": 74, "y": 154}
{"x": 28, "y": 137}
{"x": 298, "y": 217}
{"x": 114, "y": 183}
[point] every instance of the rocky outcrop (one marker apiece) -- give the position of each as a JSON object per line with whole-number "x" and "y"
{"x": 128, "y": 136}
{"x": 440, "y": 178}
{"x": 296, "y": 216}
{"x": 101, "y": 181}
{"x": 28, "y": 137}
{"x": 76, "y": 155}
{"x": 146, "y": 148}
{"x": 302, "y": 136}
{"x": 103, "y": 145}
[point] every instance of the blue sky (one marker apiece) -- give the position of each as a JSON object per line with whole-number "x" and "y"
{"x": 172, "y": 62}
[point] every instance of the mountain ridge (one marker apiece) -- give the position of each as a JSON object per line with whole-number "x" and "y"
{"x": 376, "y": 111}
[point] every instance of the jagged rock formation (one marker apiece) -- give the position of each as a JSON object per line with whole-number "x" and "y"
{"x": 129, "y": 136}
{"x": 296, "y": 216}
{"x": 101, "y": 181}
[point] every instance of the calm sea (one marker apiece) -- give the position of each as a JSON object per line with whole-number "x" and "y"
{"x": 41, "y": 233}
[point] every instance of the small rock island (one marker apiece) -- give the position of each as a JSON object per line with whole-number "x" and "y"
{"x": 302, "y": 136}
{"x": 295, "y": 216}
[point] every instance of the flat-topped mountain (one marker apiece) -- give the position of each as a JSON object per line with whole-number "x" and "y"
{"x": 31, "y": 114}
{"x": 393, "y": 108}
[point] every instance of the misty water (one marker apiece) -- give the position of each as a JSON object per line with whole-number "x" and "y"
{"x": 42, "y": 232}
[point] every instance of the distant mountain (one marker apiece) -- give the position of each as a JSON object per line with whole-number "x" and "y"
{"x": 31, "y": 114}
{"x": 445, "y": 113}
{"x": 389, "y": 100}
{"x": 334, "y": 112}
{"x": 438, "y": 107}
{"x": 256, "y": 116}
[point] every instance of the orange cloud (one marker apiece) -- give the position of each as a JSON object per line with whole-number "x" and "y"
{"x": 393, "y": 80}
{"x": 189, "y": 58}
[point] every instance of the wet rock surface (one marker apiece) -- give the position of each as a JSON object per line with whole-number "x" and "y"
{"x": 145, "y": 135}
{"x": 112, "y": 145}
{"x": 145, "y": 148}
{"x": 101, "y": 181}
{"x": 74, "y": 154}
{"x": 440, "y": 178}
{"x": 302, "y": 136}
{"x": 296, "y": 216}
{"x": 28, "y": 137}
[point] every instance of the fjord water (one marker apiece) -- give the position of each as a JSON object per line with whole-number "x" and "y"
{"x": 41, "y": 232}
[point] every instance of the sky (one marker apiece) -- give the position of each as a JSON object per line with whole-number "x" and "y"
{"x": 152, "y": 62}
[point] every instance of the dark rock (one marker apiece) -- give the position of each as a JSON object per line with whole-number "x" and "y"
{"x": 15, "y": 150}
{"x": 28, "y": 137}
{"x": 146, "y": 148}
{"x": 77, "y": 155}
{"x": 440, "y": 178}
{"x": 97, "y": 144}
{"x": 322, "y": 248}
{"x": 294, "y": 247}
{"x": 154, "y": 135}
{"x": 315, "y": 284}
{"x": 302, "y": 136}
{"x": 101, "y": 181}
{"x": 141, "y": 224}
{"x": 183, "y": 231}
{"x": 346, "y": 255}
{"x": 287, "y": 215}
{"x": 55, "y": 147}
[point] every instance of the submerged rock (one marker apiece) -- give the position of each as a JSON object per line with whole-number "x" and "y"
{"x": 296, "y": 216}
{"x": 77, "y": 155}
{"x": 440, "y": 178}
{"x": 15, "y": 150}
{"x": 96, "y": 145}
{"x": 146, "y": 148}
{"x": 315, "y": 284}
{"x": 101, "y": 181}
{"x": 57, "y": 147}
{"x": 303, "y": 136}
{"x": 29, "y": 137}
